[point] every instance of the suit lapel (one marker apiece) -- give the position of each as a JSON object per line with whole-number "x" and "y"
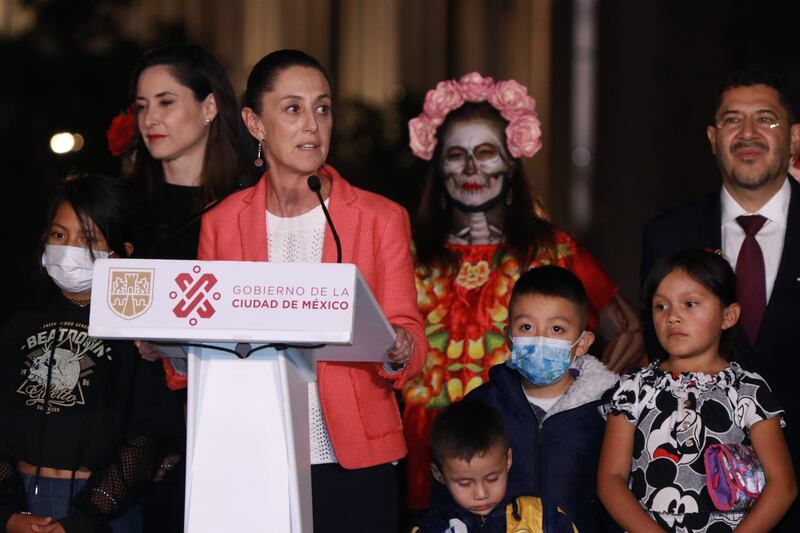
{"x": 253, "y": 223}
{"x": 788, "y": 270}
{"x": 345, "y": 216}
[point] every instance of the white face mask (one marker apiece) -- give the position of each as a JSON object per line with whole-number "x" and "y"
{"x": 70, "y": 267}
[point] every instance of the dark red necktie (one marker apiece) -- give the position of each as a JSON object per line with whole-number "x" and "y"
{"x": 751, "y": 284}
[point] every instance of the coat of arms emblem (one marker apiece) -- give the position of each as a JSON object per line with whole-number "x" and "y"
{"x": 130, "y": 291}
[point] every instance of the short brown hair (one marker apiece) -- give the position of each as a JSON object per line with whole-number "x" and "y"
{"x": 465, "y": 429}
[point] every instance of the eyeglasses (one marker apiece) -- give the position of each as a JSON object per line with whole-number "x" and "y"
{"x": 762, "y": 121}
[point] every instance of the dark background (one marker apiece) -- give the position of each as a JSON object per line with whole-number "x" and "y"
{"x": 659, "y": 65}
{"x": 660, "y": 68}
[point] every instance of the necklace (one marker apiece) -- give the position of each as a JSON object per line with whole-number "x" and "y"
{"x": 78, "y": 302}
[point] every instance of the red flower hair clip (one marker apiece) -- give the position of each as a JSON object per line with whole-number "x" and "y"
{"x": 121, "y": 132}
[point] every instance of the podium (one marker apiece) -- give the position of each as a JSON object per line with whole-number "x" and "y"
{"x": 256, "y": 331}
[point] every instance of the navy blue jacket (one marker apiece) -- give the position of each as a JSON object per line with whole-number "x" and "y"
{"x": 527, "y": 514}
{"x": 556, "y": 457}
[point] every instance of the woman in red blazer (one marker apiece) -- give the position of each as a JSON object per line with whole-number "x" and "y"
{"x": 287, "y": 109}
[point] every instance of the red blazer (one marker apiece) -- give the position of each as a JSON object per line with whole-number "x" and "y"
{"x": 357, "y": 399}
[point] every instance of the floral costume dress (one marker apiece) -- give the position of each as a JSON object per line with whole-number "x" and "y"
{"x": 677, "y": 416}
{"x": 465, "y": 310}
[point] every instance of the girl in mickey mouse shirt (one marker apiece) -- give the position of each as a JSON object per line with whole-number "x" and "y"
{"x": 652, "y": 474}
{"x": 79, "y": 439}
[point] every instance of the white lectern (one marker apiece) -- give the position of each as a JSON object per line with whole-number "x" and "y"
{"x": 247, "y": 442}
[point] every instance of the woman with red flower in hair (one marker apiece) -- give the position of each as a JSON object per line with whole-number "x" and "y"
{"x": 187, "y": 153}
{"x": 188, "y": 144}
{"x": 477, "y": 229}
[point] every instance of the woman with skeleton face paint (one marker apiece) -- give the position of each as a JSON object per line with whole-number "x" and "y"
{"x": 476, "y": 169}
{"x": 477, "y": 228}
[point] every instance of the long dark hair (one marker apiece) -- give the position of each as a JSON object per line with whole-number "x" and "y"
{"x": 524, "y": 231}
{"x": 100, "y": 199}
{"x": 195, "y": 68}
{"x": 711, "y": 271}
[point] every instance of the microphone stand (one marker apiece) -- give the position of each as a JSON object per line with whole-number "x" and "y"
{"x": 316, "y": 186}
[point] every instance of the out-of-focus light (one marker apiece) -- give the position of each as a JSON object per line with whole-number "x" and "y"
{"x": 581, "y": 156}
{"x": 61, "y": 143}
{"x": 78, "y": 142}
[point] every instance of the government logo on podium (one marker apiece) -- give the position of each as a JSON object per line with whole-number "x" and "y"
{"x": 130, "y": 292}
{"x": 195, "y": 290}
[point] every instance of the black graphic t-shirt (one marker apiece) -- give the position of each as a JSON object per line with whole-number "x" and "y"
{"x": 677, "y": 416}
{"x": 104, "y": 405}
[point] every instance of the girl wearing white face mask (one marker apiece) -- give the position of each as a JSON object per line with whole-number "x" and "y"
{"x": 79, "y": 438}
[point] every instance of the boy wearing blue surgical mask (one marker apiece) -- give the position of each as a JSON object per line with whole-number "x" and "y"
{"x": 548, "y": 394}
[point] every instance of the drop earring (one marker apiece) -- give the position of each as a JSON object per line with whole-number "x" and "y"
{"x": 259, "y": 162}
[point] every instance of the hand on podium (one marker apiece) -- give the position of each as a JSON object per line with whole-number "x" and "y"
{"x": 150, "y": 351}
{"x": 403, "y": 347}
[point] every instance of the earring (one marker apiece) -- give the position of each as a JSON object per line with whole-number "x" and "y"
{"x": 208, "y": 121}
{"x": 259, "y": 162}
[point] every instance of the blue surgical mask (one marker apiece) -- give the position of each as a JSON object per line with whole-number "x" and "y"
{"x": 541, "y": 360}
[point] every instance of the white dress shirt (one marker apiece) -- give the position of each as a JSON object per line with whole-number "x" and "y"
{"x": 770, "y": 238}
{"x": 300, "y": 240}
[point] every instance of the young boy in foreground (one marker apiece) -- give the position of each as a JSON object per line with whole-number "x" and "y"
{"x": 548, "y": 395}
{"x": 472, "y": 459}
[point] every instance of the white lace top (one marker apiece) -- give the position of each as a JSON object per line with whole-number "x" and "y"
{"x": 299, "y": 240}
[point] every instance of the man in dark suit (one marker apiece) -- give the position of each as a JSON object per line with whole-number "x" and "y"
{"x": 754, "y": 219}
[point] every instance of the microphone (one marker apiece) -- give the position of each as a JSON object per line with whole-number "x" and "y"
{"x": 316, "y": 186}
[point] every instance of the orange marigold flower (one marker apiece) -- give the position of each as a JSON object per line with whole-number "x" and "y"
{"x": 473, "y": 275}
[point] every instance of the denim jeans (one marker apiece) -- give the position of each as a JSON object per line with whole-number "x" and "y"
{"x": 53, "y": 499}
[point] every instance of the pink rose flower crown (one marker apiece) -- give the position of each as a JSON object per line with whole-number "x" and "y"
{"x": 510, "y": 98}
